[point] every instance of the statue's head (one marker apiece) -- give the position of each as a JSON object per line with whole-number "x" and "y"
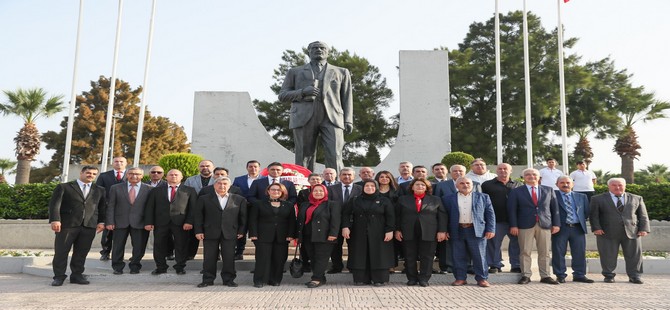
{"x": 318, "y": 50}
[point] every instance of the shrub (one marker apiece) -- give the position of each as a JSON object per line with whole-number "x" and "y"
{"x": 458, "y": 158}
{"x": 185, "y": 162}
{"x": 26, "y": 201}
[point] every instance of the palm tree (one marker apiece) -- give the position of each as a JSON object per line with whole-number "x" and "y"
{"x": 657, "y": 172}
{"x": 5, "y": 164}
{"x": 29, "y": 105}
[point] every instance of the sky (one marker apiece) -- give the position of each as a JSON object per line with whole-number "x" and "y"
{"x": 222, "y": 45}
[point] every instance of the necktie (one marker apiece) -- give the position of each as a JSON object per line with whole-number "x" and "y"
{"x": 173, "y": 192}
{"x": 86, "y": 190}
{"x": 570, "y": 218}
{"x": 118, "y": 175}
{"x": 131, "y": 194}
{"x": 346, "y": 193}
{"x": 619, "y": 204}
{"x": 274, "y": 180}
{"x": 533, "y": 195}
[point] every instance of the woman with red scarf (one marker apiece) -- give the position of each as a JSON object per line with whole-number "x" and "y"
{"x": 421, "y": 223}
{"x": 318, "y": 227}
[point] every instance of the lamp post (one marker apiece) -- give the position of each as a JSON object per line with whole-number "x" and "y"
{"x": 115, "y": 116}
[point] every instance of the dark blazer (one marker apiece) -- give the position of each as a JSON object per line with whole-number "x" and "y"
{"x": 209, "y": 189}
{"x": 107, "y": 179}
{"x": 522, "y": 211}
{"x": 604, "y": 214}
{"x": 241, "y": 182}
{"x": 483, "y": 216}
{"x": 335, "y": 192}
{"x": 271, "y": 227}
{"x": 119, "y": 210}
{"x": 326, "y": 220}
{"x": 258, "y": 187}
{"x": 215, "y": 223}
{"x": 433, "y": 217}
{"x": 448, "y": 187}
{"x": 68, "y": 206}
{"x": 160, "y": 211}
{"x": 581, "y": 203}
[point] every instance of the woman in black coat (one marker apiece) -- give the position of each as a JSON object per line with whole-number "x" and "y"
{"x": 421, "y": 224}
{"x": 368, "y": 224}
{"x": 271, "y": 227}
{"x": 388, "y": 187}
{"x": 318, "y": 226}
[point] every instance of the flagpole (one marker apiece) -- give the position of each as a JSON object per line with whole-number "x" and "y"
{"x": 140, "y": 121}
{"x": 112, "y": 90}
{"x": 499, "y": 126}
{"x": 73, "y": 100}
{"x": 561, "y": 83}
{"x": 526, "y": 67}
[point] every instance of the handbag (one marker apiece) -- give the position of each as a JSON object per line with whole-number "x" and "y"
{"x": 296, "y": 264}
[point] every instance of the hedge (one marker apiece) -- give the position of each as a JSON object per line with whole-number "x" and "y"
{"x": 31, "y": 201}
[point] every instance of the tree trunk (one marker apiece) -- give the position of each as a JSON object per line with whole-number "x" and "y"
{"x": 22, "y": 171}
{"x": 627, "y": 169}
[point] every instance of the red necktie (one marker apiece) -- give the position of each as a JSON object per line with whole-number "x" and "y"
{"x": 173, "y": 192}
{"x": 131, "y": 194}
{"x": 533, "y": 195}
{"x": 118, "y": 175}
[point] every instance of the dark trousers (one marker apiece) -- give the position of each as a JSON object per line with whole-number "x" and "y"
{"x": 370, "y": 275}
{"x": 318, "y": 252}
{"x": 467, "y": 246}
{"x": 79, "y": 240}
{"x": 241, "y": 245}
{"x": 444, "y": 255}
{"x": 494, "y": 247}
{"x": 398, "y": 250}
{"x": 138, "y": 239}
{"x": 419, "y": 250}
{"x": 106, "y": 242}
{"x": 213, "y": 249}
{"x": 270, "y": 261}
{"x": 336, "y": 255}
{"x": 161, "y": 236}
{"x": 576, "y": 237}
{"x": 608, "y": 247}
{"x": 193, "y": 244}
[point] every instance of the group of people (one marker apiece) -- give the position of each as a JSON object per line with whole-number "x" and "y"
{"x": 461, "y": 220}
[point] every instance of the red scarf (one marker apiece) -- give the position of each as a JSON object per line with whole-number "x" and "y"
{"x": 313, "y": 202}
{"x": 418, "y": 201}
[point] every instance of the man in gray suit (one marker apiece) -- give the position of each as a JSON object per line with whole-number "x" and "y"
{"x": 125, "y": 216}
{"x": 321, "y": 105}
{"x": 619, "y": 219}
{"x": 205, "y": 178}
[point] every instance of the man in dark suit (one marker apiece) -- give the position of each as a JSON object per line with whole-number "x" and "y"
{"x": 439, "y": 172}
{"x": 619, "y": 219}
{"x": 106, "y": 180}
{"x": 329, "y": 176}
{"x": 156, "y": 176}
{"x": 76, "y": 214}
{"x": 341, "y": 193}
{"x": 125, "y": 216}
{"x": 244, "y": 181}
{"x": 220, "y": 219}
{"x": 258, "y": 187}
{"x": 533, "y": 215}
{"x": 418, "y": 172}
{"x": 472, "y": 222}
{"x": 573, "y": 209}
{"x": 365, "y": 173}
{"x": 321, "y": 106}
{"x": 167, "y": 211}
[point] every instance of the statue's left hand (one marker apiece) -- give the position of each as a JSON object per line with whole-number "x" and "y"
{"x": 348, "y": 128}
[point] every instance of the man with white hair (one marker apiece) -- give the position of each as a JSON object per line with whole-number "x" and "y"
{"x": 619, "y": 219}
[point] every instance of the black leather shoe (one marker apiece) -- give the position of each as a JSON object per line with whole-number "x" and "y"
{"x": 118, "y": 271}
{"x": 239, "y": 257}
{"x": 548, "y": 280}
{"x": 560, "y": 280}
{"x": 79, "y": 281}
{"x": 423, "y": 284}
{"x": 471, "y": 271}
{"x": 104, "y": 257}
{"x": 158, "y": 271}
{"x": 258, "y": 285}
{"x": 582, "y": 279}
{"x": 230, "y": 284}
{"x": 334, "y": 271}
{"x": 205, "y": 284}
{"x": 609, "y": 280}
{"x": 273, "y": 284}
{"x": 57, "y": 282}
{"x": 378, "y": 284}
{"x": 134, "y": 271}
{"x": 314, "y": 284}
{"x": 524, "y": 280}
{"x": 181, "y": 272}
{"x": 515, "y": 270}
{"x": 636, "y": 281}
{"x": 411, "y": 283}
{"x": 493, "y": 269}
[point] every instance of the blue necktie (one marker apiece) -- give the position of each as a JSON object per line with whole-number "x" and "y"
{"x": 570, "y": 219}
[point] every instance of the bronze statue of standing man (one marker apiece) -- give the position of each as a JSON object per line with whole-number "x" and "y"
{"x": 321, "y": 105}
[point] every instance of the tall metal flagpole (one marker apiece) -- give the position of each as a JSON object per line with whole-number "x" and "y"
{"x": 73, "y": 100}
{"x": 561, "y": 83}
{"x": 112, "y": 90}
{"x": 526, "y": 67}
{"x": 499, "y": 126}
{"x": 143, "y": 104}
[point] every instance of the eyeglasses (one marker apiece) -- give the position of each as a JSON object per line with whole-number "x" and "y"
{"x": 156, "y": 172}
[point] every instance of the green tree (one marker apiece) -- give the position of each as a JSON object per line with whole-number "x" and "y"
{"x": 160, "y": 136}
{"x": 29, "y": 105}
{"x": 371, "y": 96}
{"x": 656, "y": 173}
{"x": 5, "y": 164}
